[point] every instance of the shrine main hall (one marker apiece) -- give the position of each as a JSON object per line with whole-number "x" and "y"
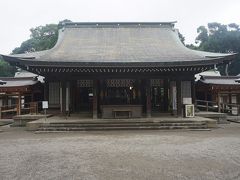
{"x": 119, "y": 70}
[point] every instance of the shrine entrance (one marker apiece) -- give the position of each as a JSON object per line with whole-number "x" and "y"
{"x": 159, "y": 95}
{"x": 121, "y": 96}
{"x": 84, "y": 96}
{"x": 120, "y": 92}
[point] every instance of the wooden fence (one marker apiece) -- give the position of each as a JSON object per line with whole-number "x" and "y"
{"x": 233, "y": 109}
{"x": 16, "y": 109}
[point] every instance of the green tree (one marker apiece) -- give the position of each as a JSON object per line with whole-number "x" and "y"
{"x": 222, "y": 38}
{"x": 6, "y": 70}
{"x": 181, "y": 37}
{"x": 41, "y": 38}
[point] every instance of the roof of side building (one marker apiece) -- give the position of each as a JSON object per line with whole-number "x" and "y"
{"x": 17, "y": 82}
{"x": 220, "y": 80}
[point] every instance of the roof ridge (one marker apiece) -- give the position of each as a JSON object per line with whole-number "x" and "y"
{"x": 117, "y": 24}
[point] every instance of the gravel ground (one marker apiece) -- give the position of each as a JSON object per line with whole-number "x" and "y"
{"x": 121, "y": 155}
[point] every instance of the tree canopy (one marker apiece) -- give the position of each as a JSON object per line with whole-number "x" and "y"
{"x": 41, "y": 38}
{"x": 6, "y": 70}
{"x": 221, "y": 38}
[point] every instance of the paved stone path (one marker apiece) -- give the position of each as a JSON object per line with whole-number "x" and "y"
{"x": 121, "y": 155}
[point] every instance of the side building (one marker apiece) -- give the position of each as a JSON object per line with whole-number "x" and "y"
{"x": 113, "y": 70}
{"x": 222, "y": 90}
{"x": 19, "y": 95}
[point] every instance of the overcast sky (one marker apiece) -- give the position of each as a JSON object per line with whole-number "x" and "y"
{"x": 17, "y": 17}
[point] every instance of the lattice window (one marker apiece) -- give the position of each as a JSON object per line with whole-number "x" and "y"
{"x": 84, "y": 83}
{"x": 156, "y": 82}
{"x": 119, "y": 82}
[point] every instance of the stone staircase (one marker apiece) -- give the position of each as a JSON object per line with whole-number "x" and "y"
{"x": 121, "y": 125}
{"x": 221, "y": 118}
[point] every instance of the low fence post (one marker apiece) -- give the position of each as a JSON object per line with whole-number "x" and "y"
{"x": 238, "y": 109}
{"x": 219, "y": 107}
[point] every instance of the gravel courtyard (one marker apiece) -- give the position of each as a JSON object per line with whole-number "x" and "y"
{"x": 121, "y": 155}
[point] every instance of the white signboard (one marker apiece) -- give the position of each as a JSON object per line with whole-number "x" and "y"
{"x": 234, "y": 111}
{"x": 187, "y": 100}
{"x": 45, "y": 104}
{"x": 189, "y": 110}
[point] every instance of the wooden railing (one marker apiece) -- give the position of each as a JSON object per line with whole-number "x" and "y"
{"x": 206, "y": 105}
{"x": 16, "y": 109}
{"x": 218, "y": 107}
{"x": 230, "y": 108}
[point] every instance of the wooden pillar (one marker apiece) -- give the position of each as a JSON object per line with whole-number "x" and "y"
{"x": 238, "y": 102}
{"x": 148, "y": 99}
{"x": 19, "y": 105}
{"x": 72, "y": 96}
{"x": 166, "y": 86}
{"x": 218, "y": 101}
{"x": 46, "y": 91}
{"x": 63, "y": 103}
{"x": 179, "y": 98}
{"x": 95, "y": 108}
{"x": 230, "y": 98}
{"x": 0, "y": 112}
{"x": 205, "y": 96}
{"x": 32, "y": 97}
{"x": 193, "y": 92}
{"x": 67, "y": 96}
{"x": 173, "y": 97}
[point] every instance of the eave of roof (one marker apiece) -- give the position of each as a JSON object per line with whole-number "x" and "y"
{"x": 125, "y": 44}
{"x": 220, "y": 80}
{"x": 17, "y": 82}
{"x": 22, "y": 62}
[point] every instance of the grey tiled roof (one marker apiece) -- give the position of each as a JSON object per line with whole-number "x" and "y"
{"x": 92, "y": 43}
{"x": 16, "y": 82}
{"x": 221, "y": 80}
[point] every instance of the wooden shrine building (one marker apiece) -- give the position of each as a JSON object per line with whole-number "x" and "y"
{"x": 116, "y": 70}
{"x": 223, "y": 90}
{"x": 19, "y": 95}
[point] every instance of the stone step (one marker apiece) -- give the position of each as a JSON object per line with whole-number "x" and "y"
{"x": 122, "y": 121}
{"x": 51, "y": 129}
{"x": 121, "y": 124}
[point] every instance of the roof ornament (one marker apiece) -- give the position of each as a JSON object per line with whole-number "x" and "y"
{"x": 226, "y": 69}
{"x": 2, "y": 82}
{"x": 215, "y": 67}
{"x": 237, "y": 80}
